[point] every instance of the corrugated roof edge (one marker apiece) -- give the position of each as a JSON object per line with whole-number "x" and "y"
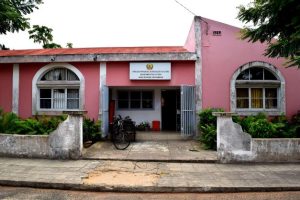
{"x": 100, "y": 50}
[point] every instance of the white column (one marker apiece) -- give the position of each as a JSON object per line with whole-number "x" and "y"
{"x": 198, "y": 69}
{"x": 103, "y": 100}
{"x": 15, "y": 89}
{"x": 102, "y": 83}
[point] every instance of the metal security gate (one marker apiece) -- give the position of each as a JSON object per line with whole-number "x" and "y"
{"x": 188, "y": 113}
{"x": 104, "y": 108}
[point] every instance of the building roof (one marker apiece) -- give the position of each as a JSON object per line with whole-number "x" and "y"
{"x": 101, "y": 50}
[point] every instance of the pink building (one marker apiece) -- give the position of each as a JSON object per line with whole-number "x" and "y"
{"x": 167, "y": 84}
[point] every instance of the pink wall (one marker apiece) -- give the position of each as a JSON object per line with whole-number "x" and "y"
{"x": 190, "y": 42}
{"x": 27, "y": 72}
{"x": 222, "y": 55}
{"x": 6, "y": 71}
{"x": 181, "y": 73}
{"x": 89, "y": 70}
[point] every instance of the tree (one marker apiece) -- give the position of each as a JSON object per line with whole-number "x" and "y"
{"x": 69, "y": 45}
{"x": 276, "y": 22}
{"x": 12, "y": 14}
{"x": 43, "y": 34}
{"x": 3, "y": 47}
{"x": 51, "y": 46}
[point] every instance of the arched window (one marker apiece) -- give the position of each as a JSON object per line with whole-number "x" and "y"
{"x": 58, "y": 87}
{"x": 257, "y": 87}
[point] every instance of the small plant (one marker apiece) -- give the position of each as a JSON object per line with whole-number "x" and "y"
{"x": 208, "y": 127}
{"x": 209, "y": 136}
{"x": 91, "y": 130}
{"x": 143, "y": 126}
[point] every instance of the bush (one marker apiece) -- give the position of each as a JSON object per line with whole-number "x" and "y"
{"x": 7, "y": 122}
{"x": 209, "y": 136}
{"x": 91, "y": 130}
{"x": 208, "y": 127}
{"x": 258, "y": 126}
{"x": 262, "y": 128}
{"x": 295, "y": 125}
{"x": 206, "y": 117}
{"x": 10, "y": 123}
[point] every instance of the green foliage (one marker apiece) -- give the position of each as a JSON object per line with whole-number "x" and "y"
{"x": 206, "y": 117}
{"x": 43, "y": 34}
{"x": 29, "y": 127}
{"x": 12, "y": 14}
{"x": 270, "y": 20}
{"x": 207, "y": 126}
{"x": 10, "y": 123}
{"x": 258, "y": 126}
{"x": 296, "y": 119}
{"x": 295, "y": 124}
{"x": 143, "y": 126}
{"x": 3, "y": 47}
{"x": 261, "y": 128}
{"x": 69, "y": 45}
{"x": 209, "y": 136}
{"x": 91, "y": 130}
{"x": 7, "y": 122}
{"x": 50, "y": 123}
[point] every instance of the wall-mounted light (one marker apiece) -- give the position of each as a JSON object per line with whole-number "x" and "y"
{"x": 95, "y": 57}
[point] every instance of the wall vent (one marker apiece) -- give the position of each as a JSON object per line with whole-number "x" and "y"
{"x": 217, "y": 33}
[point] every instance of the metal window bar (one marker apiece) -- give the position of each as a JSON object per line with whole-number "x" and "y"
{"x": 188, "y": 113}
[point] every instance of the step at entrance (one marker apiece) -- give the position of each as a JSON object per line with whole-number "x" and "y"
{"x": 158, "y": 136}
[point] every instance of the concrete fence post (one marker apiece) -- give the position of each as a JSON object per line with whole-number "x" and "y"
{"x": 68, "y": 143}
{"x": 231, "y": 138}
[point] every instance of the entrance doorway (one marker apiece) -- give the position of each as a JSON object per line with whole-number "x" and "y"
{"x": 170, "y": 110}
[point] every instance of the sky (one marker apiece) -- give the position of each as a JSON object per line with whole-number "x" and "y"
{"x": 119, "y": 23}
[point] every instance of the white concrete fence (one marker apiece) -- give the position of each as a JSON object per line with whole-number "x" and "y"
{"x": 234, "y": 145}
{"x": 66, "y": 142}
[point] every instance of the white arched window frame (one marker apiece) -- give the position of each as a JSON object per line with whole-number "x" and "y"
{"x": 263, "y": 85}
{"x": 62, "y": 85}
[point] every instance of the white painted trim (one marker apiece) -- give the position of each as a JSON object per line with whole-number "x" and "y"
{"x": 45, "y": 69}
{"x": 102, "y": 82}
{"x": 15, "y": 88}
{"x": 103, "y": 114}
{"x": 198, "y": 70}
{"x": 99, "y": 57}
{"x": 281, "y": 92}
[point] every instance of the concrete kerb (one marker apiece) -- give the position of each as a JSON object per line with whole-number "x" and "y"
{"x": 143, "y": 189}
{"x": 155, "y": 160}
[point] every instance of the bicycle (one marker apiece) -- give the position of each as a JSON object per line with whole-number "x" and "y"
{"x": 120, "y": 137}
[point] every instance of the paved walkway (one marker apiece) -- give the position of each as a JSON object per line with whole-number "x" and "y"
{"x": 161, "y": 150}
{"x": 148, "y": 176}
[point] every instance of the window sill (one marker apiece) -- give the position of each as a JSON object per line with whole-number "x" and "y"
{"x": 135, "y": 109}
{"x": 255, "y": 112}
{"x": 53, "y": 112}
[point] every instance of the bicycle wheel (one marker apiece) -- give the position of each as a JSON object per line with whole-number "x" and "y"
{"x": 121, "y": 140}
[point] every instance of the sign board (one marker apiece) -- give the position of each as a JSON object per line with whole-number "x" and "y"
{"x": 150, "y": 71}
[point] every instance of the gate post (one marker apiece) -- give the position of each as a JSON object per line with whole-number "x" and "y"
{"x": 75, "y": 126}
{"x": 231, "y": 138}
